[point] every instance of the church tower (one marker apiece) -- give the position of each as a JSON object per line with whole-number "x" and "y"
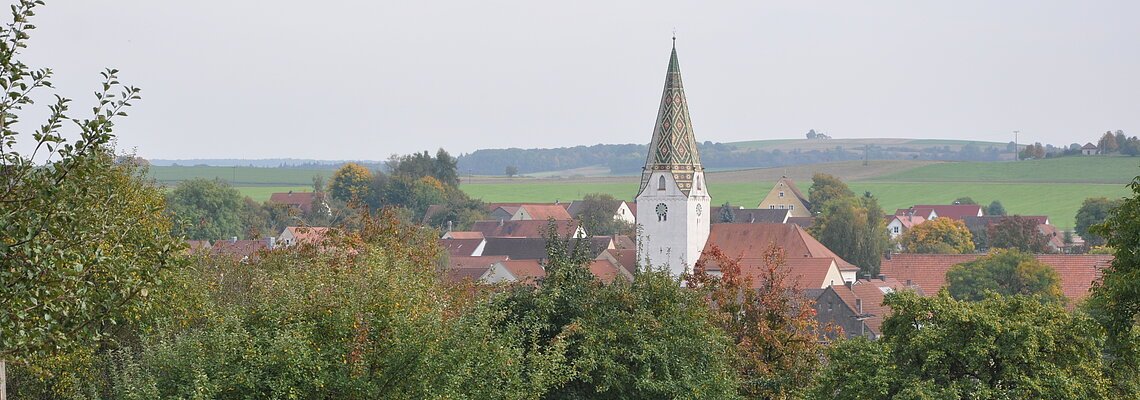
{"x": 673, "y": 202}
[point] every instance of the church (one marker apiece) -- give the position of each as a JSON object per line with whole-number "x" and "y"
{"x": 675, "y": 224}
{"x": 673, "y": 202}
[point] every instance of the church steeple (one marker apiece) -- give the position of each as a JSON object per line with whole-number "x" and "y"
{"x": 674, "y": 147}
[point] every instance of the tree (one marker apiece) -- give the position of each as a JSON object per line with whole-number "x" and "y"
{"x": 204, "y": 209}
{"x": 598, "y": 215}
{"x": 1007, "y": 273}
{"x": 443, "y": 167}
{"x": 939, "y": 236}
{"x": 1107, "y": 143}
{"x": 1017, "y": 232}
{"x": 995, "y": 208}
{"x": 351, "y": 184}
{"x": 511, "y": 171}
{"x": 1115, "y": 299}
{"x": 1093, "y": 211}
{"x": 726, "y": 214}
{"x": 825, "y": 187}
{"x": 998, "y": 348}
{"x": 964, "y": 200}
{"x": 82, "y": 239}
{"x": 1130, "y": 147}
{"x": 770, "y": 321}
{"x": 855, "y": 230}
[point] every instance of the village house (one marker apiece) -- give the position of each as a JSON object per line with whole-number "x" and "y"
{"x": 300, "y": 201}
{"x": 750, "y": 241}
{"x": 1090, "y": 149}
{"x": 750, "y": 215}
{"x": 899, "y": 224}
{"x": 786, "y": 196}
{"x": 857, "y": 307}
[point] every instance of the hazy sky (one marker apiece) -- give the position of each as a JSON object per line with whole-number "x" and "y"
{"x": 365, "y": 79}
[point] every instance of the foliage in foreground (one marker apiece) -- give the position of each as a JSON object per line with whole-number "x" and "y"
{"x": 1115, "y": 300}
{"x": 1008, "y": 273}
{"x": 998, "y": 348}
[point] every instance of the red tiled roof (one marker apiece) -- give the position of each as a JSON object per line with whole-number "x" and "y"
{"x": 302, "y": 200}
{"x": 546, "y": 211}
{"x": 529, "y": 228}
{"x": 928, "y": 271}
{"x": 870, "y": 294}
{"x": 524, "y": 270}
{"x": 751, "y": 240}
{"x": 803, "y": 222}
{"x": 803, "y": 273}
{"x": 922, "y": 212}
{"x": 195, "y": 246}
{"x": 239, "y": 249}
{"x": 954, "y": 211}
{"x": 464, "y": 235}
{"x": 605, "y": 270}
{"x": 626, "y": 258}
{"x": 907, "y": 221}
{"x": 308, "y": 234}
{"x": 473, "y": 268}
{"x": 460, "y": 247}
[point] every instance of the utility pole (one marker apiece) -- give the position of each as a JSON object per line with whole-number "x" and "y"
{"x": 1016, "y": 153}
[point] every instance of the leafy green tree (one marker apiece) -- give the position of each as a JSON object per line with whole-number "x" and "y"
{"x": 1093, "y": 211}
{"x": 770, "y": 321}
{"x": 511, "y": 171}
{"x": 204, "y": 209}
{"x": 1115, "y": 300}
{"x": 645, "y": 339}
{"x": 964, "y": 200}
{"x": 855, "y": 230}
{"x": 939, "y": 236}
{"x": 598, "y": 215}
{"x": 1017, "y": 232}
{"x": 351, "y": 184}
{"x": 998, "y": 348}
{"x": 1007, "y": 273}
{"x": 82, "y": 239}
{"x": 825, "y": 187}
{"x": 995, "y": 208}
{"x": 443, "y": 167}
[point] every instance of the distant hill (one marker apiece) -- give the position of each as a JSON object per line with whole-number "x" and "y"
{"x": 627, "y": 159}
{"x": 262, "y": 163}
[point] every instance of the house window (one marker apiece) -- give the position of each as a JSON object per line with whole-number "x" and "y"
{"x": 661, "y": 183}
{"x": 829, "y": 306}
{"x": 896, "y": 229}
{"x": 771, "y": 206}
{"x": 781, "y": 194}
{"x": 791, "y": 206}
{"x": 781, "y": 206}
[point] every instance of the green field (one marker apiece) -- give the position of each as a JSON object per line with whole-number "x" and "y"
{"x": 239, "y": 176}
{"x": 1098, "y": 169}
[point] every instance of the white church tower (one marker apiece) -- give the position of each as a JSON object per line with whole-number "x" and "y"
{"x": 673, "y": 203}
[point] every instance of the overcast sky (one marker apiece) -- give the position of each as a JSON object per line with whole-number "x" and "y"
{"x": 365, "y": 79}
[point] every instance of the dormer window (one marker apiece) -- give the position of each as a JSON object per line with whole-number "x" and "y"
{"x": 781, "y": 194}
{"x": 661, "y": 183}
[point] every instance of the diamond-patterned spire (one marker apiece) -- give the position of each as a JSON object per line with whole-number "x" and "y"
{"x": 674, "y": 147}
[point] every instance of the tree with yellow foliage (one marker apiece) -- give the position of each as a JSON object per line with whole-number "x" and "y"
{"x": 938, "y": 236}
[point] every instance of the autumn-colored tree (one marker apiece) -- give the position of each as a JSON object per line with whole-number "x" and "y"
{"x": 1108, "y": 143}
{"x": 939, "y": 236}
{"x": 351, "y": 184}
{"x": 1005, "y": 272}
{"x": 1017, "y": 232}
{"x": 769, "y": 319}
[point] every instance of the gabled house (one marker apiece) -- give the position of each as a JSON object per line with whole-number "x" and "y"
{"x": 857, "y": 307}
{"x": 295, "y": 235}
{"x": 462, "y": 235}
{"x": 526, "y": 271}
{"x": 535, "y": 248}
{"x": 899, "y": 224}
{"x": 926, "y": 213}
{"x": 527, "y": 228}
{"x": 750, "y": 241}
{"x": 463, "y": 247}
{"x": 472, "y": 268}
{"x": 528, "y": 211}
{"x": 1090, "y": 149}
{"x": 953, "y": 211}
{"x": 786, "y": 196}
{"x": 301, "y": 201}
{"x": 810, "y": 274}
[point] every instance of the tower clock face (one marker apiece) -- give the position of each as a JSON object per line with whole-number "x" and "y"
{"x": 662, "y": 209}
{"x": 699, "y": 210}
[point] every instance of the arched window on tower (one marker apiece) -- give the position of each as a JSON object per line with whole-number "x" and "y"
{"x": 699, "y": 183}
{"x": 661, "y": 183}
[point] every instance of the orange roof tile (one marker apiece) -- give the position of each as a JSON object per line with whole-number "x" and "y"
{"x": 751, "y": 240}
{"x": 544, "y": 212}
{"x": 528, "y": 229}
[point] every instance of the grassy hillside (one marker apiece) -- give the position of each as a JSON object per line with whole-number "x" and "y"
{"x": 1098, "y": 169}
{"x": 805, "y": 144}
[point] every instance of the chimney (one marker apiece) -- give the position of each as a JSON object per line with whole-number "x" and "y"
{"x": 233, "y": 239}
{"x": 882, "y": 277}
{"x": 450, "y": 225}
